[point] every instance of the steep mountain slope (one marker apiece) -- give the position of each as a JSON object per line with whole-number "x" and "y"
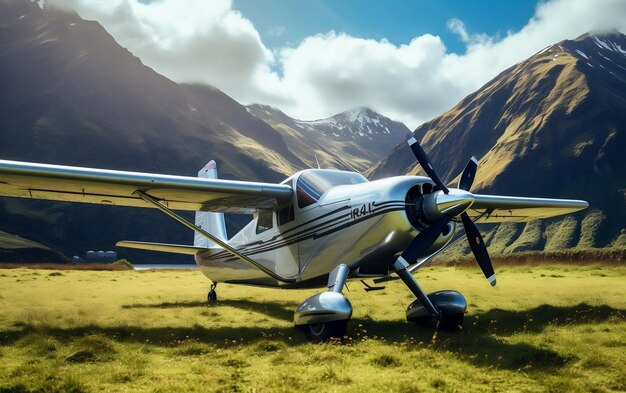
{"x": 553, "y": 125}
{"x": 66, "y": 82}
{"x": 353, "y": 139}
{"x": 19, "y": 250}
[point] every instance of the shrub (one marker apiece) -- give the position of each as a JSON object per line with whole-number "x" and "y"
{"x": 123, "y": 262}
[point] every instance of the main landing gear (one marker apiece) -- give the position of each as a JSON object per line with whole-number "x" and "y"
{"x": 443, "y": 310}
{"x": 212, "y": 296}
{"x": 326, "y": 315}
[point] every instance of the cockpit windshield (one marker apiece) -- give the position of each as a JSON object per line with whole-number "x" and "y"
{"x": 312, "y": 184}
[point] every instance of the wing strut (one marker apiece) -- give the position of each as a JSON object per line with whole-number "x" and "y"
{"x": 214, "y": 239}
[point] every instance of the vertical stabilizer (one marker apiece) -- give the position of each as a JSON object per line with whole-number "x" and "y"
{"x": 209, "y": 221}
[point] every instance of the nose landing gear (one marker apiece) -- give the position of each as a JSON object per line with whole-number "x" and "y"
{"x": 212, "y": 296}
{"x": 441, "y": 310}
{"x": 451, "y": 305}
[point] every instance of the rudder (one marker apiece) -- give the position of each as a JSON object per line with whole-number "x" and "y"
{"x": 209, "y": 221}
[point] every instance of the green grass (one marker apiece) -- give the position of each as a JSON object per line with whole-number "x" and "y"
{"x": 589, "y": 228}
{"x": 532, "y": 238}
{"x": 561, "y": 234}
{"x": 505, "y": 234}
{"x": 557, "y": 328}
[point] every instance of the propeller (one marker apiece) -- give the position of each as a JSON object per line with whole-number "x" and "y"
{"x": 474, "y": 238}
{"x": 424, "y": 161}
{"x": 455, "y": 203}
{"x": 424, "y": 240}
{"x": 469, "y": 173}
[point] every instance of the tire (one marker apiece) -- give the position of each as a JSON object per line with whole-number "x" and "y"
{"x": 320, "y": 332}
{"x": 451, "y": 322}
{"x": 211, "y": 297}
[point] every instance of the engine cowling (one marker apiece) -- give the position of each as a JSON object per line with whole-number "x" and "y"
{"x": 421, "y": 210}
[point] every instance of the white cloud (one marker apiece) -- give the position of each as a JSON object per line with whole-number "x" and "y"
{"x": 457, "y": 26}
{"x": 335, "y": 72}
{"x": 202, "y": 41}
{"x": 276, "y": 31}
{"x": 190, "y": 41}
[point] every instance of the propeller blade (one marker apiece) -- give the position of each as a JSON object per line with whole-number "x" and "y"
{"x": 478, "y": 248}
{"x": 467, "y": 178}
{"x": 424, "y": 240}
{"x": 424, "y": 161}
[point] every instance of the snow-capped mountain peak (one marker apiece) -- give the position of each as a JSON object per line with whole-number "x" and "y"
{"x": 355, "y": 123}
{"x": 602, "y": 52}
{"x": 355, "y": 138}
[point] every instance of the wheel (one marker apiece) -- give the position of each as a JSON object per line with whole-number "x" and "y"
{"x": 212, "y": 296}
{"x": 447, "y": 322}
{"x": 319, "y": 332}
{"x": 450, "y": 322}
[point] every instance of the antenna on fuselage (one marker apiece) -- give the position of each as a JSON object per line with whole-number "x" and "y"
{"x": 318, "y": 163}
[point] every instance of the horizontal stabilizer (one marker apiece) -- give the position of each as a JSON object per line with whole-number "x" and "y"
{"x": 162, "y": 247}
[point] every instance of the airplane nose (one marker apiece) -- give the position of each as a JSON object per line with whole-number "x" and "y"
{"x": 453, "y": 203}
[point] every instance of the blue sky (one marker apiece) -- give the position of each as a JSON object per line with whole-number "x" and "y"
{"x": 287, "y": 22}
{"x": 410, "y": 60}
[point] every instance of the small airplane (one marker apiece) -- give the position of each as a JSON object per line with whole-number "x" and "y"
{"x": 318, "y": 227}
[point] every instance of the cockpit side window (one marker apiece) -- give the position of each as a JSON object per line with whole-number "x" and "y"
{"x": 264, "y": 221}
{"x": 307, "y": 195}
{"x": 286, "y": 214}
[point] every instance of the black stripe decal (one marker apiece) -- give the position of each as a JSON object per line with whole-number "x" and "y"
{"x": 331, "y": 228}
{"x": 255, "y": 246}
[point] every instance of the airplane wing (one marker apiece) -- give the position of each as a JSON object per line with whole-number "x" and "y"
{"x": 109, "y": 187}
{"x": 496, "y": 208}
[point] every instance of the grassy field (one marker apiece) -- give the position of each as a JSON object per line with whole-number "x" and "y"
{"x": 557, "y": 328}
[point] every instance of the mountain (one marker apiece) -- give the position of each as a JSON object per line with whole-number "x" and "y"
{"x": 67, "y": 83}
{"x": 353, "y": 139}
{"x": 553, "y": 125}
{"x": 19, "y": 250}
{"x": 71, "y": 95}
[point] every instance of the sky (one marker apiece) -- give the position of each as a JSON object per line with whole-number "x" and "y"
{"x": 396, "y": 21}
{"x": 410, "y": 60}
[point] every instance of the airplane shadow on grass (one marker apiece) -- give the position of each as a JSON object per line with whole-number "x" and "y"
{"x": 482, "y": 341}
{"x": 277, "y": 310}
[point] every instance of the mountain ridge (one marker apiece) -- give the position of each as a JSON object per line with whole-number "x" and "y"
{"x": 352, "y": 139}
{"x": 551, "y": 125}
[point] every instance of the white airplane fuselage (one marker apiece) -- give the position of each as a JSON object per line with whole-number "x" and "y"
{"x": 363, "y": 225}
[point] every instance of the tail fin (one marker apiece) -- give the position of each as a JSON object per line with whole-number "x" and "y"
{"x": 209, "y": 221}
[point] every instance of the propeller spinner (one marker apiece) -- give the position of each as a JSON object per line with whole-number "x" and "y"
{"x": 442, "y": 207}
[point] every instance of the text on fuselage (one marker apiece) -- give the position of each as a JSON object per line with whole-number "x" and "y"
{"x": 361, "y": 211}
